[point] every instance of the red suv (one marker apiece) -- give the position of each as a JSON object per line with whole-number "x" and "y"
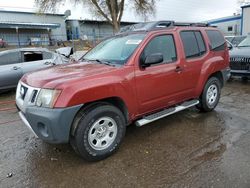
{"x": 137, "y": 76}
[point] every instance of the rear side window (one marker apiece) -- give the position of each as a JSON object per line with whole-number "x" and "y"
{"x": 216, "y": 39}
{"x": 193, "y": 43}
{"x": 163, "y": 44}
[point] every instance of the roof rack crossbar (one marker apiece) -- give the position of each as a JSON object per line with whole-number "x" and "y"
{"x": 147, "y": 26}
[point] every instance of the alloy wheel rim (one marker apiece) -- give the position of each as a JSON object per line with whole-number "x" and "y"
{"x": 102, "y": 133}
{"x": 212, "y": 94}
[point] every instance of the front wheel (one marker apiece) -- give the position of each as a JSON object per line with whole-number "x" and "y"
{"x": 211, "y": 95}
{"x": 99, "y": 132}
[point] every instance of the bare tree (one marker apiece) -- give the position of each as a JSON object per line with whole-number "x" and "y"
{"x": 242, "y": 3}
{"x": 110, "y": 10}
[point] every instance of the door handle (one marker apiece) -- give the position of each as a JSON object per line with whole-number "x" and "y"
{"x": 47, "y": 63}
{"x": 178, "y": 69}
{"x": 16, "y": 68}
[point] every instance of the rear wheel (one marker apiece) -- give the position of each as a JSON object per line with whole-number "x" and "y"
{"x": 211, "y": 95}
{"x": 99, "y": 132}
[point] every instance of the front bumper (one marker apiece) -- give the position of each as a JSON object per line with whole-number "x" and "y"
{"x": 240, "y": 72}
{"x": 50, "y": 125}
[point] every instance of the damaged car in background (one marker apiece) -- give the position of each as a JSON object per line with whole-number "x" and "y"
{"x": 15, "y": 63}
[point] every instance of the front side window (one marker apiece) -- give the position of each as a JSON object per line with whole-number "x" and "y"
{"x": 10, "y": 58}
{"x": 216, "y": 39}
{"x": 115, "y": 50}
{"x": 163, "y": 44}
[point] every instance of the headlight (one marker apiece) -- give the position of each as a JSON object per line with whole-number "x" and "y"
{"x": 47, "y": 98}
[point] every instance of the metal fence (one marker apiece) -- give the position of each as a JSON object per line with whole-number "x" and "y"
{"x": 78, "y": 42}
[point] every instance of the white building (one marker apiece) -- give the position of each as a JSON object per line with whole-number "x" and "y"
{"x": 23, "y": 27}
{"x": 90, "y": 29}
{"x": 230, "y": 25}
{"x": 245, "y": 22}
{"x": 234, "y": 25}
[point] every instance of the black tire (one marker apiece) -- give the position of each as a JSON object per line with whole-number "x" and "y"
{"x": 91, "y": 117}
{"x": 206, "y": 105}
{"x": 244, "y": 78}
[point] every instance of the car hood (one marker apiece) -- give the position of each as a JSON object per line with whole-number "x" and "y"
{"x": 240, "y": 52}
{"x": 62, "y": 74}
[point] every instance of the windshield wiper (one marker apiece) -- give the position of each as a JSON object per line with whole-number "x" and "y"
{"x": 102, "y": 62}
{"x": 244, "y": 46}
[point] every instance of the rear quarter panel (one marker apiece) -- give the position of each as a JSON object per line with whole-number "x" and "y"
{"x": 215, "y": 62}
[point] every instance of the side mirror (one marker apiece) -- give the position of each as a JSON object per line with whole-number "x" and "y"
{"x": 153, "y": 59}
{"x": 229, "y": 46}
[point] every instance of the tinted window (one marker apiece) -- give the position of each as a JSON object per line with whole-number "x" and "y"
{"x": 216, "y": 39}
{"x": 10, "y": 58}
{"x": 161, "y": 44}
{"x": 32, "y": 56}
{"x": 190, "y": 44}
{"x": 200, "y": 41}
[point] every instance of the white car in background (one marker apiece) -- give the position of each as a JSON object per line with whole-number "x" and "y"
{"x": 15, "y": 63}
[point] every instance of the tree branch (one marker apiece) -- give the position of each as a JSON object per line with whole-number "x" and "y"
{"x": 101, "y": 12}
{"x": 121, "y": 9}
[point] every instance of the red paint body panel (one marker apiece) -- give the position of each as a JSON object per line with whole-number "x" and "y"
{"x": 143, "y": 90}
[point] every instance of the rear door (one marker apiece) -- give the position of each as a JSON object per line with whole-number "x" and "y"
{"x": 195, "y": 52}
{"x": 35, "y": 60}
{"x": 10, "y": 69}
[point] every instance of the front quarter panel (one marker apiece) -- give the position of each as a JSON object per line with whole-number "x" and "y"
{"x": 119, "y": 84}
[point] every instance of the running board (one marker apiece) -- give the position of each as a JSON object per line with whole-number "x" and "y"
{"x": 165, "y": 113}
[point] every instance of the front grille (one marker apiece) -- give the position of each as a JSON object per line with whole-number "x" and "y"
{"x": 33, "y": 96}
{"x": 240, "y": 63}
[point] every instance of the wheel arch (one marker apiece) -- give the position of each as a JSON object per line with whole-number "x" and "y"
{"x": 115, "y": 101}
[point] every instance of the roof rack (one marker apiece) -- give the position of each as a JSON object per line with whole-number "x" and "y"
{"x": 147, "y": 26}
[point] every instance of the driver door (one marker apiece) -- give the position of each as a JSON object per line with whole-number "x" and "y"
{"x": 159, "y": 85}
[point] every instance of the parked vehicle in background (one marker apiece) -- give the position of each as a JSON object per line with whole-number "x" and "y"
{"x": 3, "y": 44}
{"x": 137, "y": 76}
{"x": 15, "y": 63}
{"x": 235, "y": 40}
{"x": 229, "y": 45}
{"x": 240, "y": 59}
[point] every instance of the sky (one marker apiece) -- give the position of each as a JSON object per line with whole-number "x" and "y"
{"x": 178, "y": 10}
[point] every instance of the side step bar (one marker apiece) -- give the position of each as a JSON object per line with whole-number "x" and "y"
{"x": 165, "y": 113}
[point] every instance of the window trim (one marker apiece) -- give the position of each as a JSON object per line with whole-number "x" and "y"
{"x": 200, "y": 54}
{"x": 164, "y": 62}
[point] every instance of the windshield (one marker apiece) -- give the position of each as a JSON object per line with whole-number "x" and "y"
{"x": 245, "y": 42}
{"x": 115, "y": 50}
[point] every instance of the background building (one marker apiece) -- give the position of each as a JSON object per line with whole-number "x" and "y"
{"x": 23, "y": 28}
{"x": 234, "y": 25}
{"x": 245, "y": 22}
{"x": 228, "y": 25}
{"x": 90, "y": 29}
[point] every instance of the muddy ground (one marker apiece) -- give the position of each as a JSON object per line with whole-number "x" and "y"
{"x": 188, "y": 149}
